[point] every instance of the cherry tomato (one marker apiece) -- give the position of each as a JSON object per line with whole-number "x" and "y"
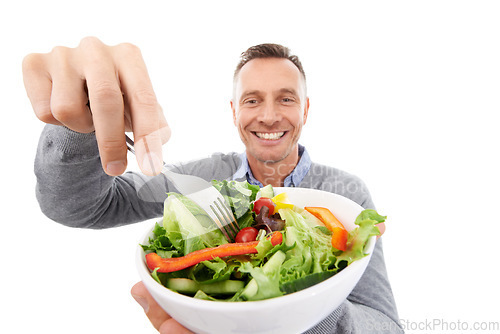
{"x": 263, "y": 201}
{"x": 247, "y": 234}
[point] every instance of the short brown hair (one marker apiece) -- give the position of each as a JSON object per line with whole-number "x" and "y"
{"x": 268, "y": 50}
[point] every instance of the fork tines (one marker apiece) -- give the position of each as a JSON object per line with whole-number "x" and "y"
{"x": 226, "y": 221}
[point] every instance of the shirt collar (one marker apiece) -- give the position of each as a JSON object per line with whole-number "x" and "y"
{"x": 292, "y": 180}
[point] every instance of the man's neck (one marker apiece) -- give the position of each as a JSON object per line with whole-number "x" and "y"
{"x": 273, "y": 173}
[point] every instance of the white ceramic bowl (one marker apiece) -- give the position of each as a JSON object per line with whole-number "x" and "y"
{"x": 293, "y": 313}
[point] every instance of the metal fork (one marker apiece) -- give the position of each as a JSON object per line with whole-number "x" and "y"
{"x": 203, "y": 194}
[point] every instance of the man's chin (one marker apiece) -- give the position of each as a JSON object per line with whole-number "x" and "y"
{"x": 270, "y": 158}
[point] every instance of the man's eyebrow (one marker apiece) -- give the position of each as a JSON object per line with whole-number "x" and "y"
{"x": 250, "y": 93}
{"x": 258, "y": 92}
{"x": 289, "y": 91}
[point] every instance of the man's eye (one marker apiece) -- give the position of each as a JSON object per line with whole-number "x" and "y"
{"x": 287, "y": 100}
{"x": 251, "y": 101}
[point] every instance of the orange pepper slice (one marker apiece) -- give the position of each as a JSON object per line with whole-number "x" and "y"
{"x": 339, "y": 233}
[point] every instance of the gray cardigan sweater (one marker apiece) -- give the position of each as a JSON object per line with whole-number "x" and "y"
{"x": 73, "y": 189}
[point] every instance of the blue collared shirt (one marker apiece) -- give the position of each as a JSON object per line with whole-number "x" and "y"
{"x": 292, "y": 180}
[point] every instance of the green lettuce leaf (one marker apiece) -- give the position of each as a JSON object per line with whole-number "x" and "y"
{"x": 312, "y": 252}
{"x": 358, "y": 237}
{"x": 212, "y": 271}
{"x": 188, "y": 227}
{"x": 268, "y": 283}
{"x": 239, "y": 196}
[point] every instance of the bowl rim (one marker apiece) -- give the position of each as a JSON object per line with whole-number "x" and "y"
{"x": 307, "y": 293}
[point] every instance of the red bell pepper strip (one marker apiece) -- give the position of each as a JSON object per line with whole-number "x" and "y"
{"x": 339, "y": 233}
{"x": 154, "y": 261}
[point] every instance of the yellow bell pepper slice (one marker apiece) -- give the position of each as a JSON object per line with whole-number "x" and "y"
{"x": 282, "y": 202}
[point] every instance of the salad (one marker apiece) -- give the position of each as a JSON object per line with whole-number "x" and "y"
{"x": 280, "y": 248}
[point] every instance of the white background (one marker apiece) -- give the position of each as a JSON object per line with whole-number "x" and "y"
{"x": 403, "y": 94}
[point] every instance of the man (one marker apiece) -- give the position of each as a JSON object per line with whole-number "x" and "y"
{"x": 92, "y": 94}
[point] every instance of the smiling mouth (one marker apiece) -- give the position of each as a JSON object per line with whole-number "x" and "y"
{"x": 270, "y": 135}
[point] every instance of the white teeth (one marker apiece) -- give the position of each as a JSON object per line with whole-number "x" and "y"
{"x": 270, "y": 135}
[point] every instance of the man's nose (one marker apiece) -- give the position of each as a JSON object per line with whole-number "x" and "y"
{"x": 270, "y": 113}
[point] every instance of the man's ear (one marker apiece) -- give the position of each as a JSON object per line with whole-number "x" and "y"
{"x": 233, "y": 108}
{"x": 306, "y": 111}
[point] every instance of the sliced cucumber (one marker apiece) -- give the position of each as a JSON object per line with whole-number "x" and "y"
{"x": 189, "y": 287}
{"x": 266, "y": 191}
{"x": 273, "y": 264}
{"x": 306, "y": 281}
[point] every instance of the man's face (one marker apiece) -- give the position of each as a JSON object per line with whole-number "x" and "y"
{"x": 270, "y": 107}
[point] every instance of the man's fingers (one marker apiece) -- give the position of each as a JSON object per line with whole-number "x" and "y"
{"x": 69, "y": 100}
{"x": 115, "y": 83}
{"x": 172, "y": 326}
{"x": 381, "y": 227}
{"x": 106, "y": 103}
{"x": 154, "y": 312}
{"x": 149, "y": 152}
{"x": 143, "y": 106}
{"x": 38, "y": 84}
{"x": 165, "y": 131}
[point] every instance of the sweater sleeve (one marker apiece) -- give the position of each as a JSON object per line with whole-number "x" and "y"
{"x": 73, "y": 189}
